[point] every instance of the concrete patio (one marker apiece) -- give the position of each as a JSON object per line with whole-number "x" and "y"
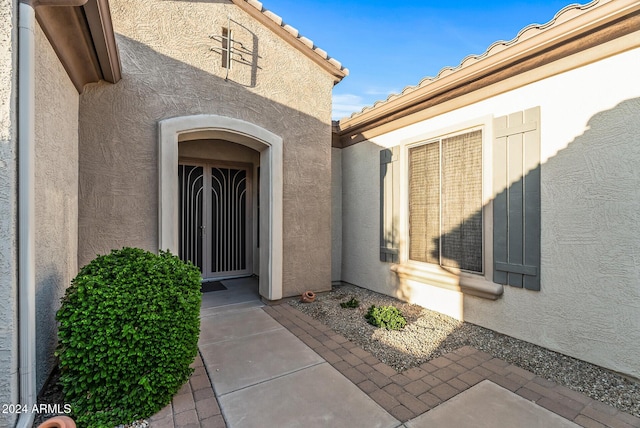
{"x": 272, "y": 366}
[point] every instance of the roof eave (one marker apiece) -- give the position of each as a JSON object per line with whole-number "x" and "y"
{"x": 531, "y": 42}
{"x": 81, "y": 34}
{"x": 291, "y": 36}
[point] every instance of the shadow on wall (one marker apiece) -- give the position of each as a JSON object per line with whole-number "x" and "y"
{"x": 592, "y": 213}
{"x": 590, "y": 249}
{"x": 47, "y": 304}
{"x": 118, "y": 143}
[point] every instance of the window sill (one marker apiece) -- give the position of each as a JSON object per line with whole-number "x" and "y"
{"x": 470, "y": 284}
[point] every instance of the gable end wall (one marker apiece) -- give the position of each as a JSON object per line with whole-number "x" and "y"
{"x": 170, "y": 70}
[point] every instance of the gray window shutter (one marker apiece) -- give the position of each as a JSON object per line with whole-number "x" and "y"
{"x": 389, "y": 204}
{"x": 516, "y": 205}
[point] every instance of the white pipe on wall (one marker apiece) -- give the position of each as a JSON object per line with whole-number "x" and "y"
{"x": 26, "y": 211}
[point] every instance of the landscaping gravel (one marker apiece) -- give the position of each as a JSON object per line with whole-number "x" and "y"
{"x": 429, "y": 334}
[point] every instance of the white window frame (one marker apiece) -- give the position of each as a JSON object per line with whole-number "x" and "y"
{"x": 479, "y": 284}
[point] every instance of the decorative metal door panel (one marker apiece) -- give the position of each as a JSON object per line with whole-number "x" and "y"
{"x": 190, "y": 214}
{"x": 228, "y": 215}
{"x": 215, "y": 231}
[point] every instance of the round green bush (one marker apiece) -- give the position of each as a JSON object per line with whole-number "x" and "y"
{"x": 351, "y": 304}
{"x": 128, "y": 333}
{"x": 388, "y": 317}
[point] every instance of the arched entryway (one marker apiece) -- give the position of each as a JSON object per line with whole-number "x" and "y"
{"x": 200, "y": 127}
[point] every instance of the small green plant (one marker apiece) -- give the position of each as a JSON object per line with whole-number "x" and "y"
{"x": 128, "y": 332}
{"x": 352, "y": 304}
{"x": 388, "y": 317}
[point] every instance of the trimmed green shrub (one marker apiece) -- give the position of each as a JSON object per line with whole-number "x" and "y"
{"x": 128, "y": 333}
{"x": 388, "y": 317}
{"x": 351, "y": 304}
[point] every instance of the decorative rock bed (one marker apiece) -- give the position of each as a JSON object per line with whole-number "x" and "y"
{"x": 429, "y": 335}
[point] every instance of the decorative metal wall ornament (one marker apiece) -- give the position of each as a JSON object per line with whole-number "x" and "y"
{"x": 230, "y": 50}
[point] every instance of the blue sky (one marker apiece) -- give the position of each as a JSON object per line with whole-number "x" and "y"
{"x": 388, "y": 45}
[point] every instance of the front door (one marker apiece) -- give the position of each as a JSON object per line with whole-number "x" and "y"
{"x": 215, "y": 218}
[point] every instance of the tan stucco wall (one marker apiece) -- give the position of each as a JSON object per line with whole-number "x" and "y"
{"x": 56, "y": 127}
{"x": 169, "y": 71}
{"x": 8, "y": 208}
{"x": 589, "y": 303}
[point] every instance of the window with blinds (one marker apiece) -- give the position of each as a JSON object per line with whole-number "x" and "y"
{"x": 445, "y": 202}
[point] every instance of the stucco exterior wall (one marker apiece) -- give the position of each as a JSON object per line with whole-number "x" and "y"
{"x": 8, "y": 208}
{"x": 336, "y": 215}
{"x": 169, "y": 70}
{"x": 590, "y": 300}
{"x": 56, "y": 127}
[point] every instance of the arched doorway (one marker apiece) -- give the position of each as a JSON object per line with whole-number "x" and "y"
{"x": 213, "y": 127}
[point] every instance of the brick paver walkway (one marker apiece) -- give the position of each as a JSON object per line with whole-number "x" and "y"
{"x": 404, "y": 395}
{"x": 410, "y": 393}
{"x": 194, "y": 406}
